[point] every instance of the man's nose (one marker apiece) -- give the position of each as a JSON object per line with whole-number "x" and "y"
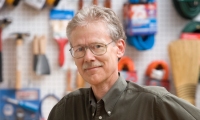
{"x": 88, "y": 55}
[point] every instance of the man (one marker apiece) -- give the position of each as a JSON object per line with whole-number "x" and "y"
{"x": 97, "y": 43}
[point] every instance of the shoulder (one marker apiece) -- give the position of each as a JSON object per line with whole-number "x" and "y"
{"x": 166, "y": 104}
{"x": 77, "y": 93}
{"x": 72, "y": 96}
{"x": 156, "y": 90}
{"x": 67, "y": 102}
{"x": 148, "y": 91}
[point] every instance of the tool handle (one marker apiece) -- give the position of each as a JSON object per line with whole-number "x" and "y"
{"x": 1, "y": 61}
{"x": 28, "y": 106}
{"x": 0, "y": 39}
{"x": 19, "y": 55}
{"x": 36, "y": 45}
{"x": 43, "y": 45}
{"x": 1, "y": 68}
{"x": 69, "y": 79}
{"x": 18, "y": 80}
{"x": 95, "y": 2}
{"x": 80, "y": 4}
{"x": 61, "y": 44}
{"x": 80, "y": 83}
{"x": 107, "y": 3}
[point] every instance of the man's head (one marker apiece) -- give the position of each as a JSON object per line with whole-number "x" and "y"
{"x": 95, "y": 13}
{"x": 97, "y": 42}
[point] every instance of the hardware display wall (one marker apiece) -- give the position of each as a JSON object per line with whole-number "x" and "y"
{"x": 27, "y": 19}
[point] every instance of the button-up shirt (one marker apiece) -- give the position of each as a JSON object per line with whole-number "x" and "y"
{"x": 124, "y": 101}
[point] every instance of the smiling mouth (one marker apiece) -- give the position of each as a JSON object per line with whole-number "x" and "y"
{"x": 92, "y": 68}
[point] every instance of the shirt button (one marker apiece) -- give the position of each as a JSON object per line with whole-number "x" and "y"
{"x": 109, "y": 112}
{"x": 100, "y": 117}
{"x": 92, "y": 114}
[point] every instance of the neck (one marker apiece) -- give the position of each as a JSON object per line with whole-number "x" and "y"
{"x": 101, "y": 89}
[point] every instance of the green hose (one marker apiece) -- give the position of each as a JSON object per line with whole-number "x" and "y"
{"x": 187, "y": 8}
{"x": 192, "y": 27}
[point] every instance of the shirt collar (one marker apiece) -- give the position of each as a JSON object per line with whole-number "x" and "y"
{"x": 114, "y": 93}
{"x": 111, "y": 96}
{"x": 92, "y": 99}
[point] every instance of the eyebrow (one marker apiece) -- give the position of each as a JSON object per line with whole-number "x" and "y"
{"x": 88, "y": 44}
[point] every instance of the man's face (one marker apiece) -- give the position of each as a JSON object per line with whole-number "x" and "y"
{"x": 96, "y": 69}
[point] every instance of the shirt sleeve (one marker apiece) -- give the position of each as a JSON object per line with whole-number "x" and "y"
{"x": 170, "y": 107}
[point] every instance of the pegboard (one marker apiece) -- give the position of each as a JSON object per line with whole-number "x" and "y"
{"x": 27, "y": 19}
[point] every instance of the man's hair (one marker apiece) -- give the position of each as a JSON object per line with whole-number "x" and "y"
{"x": 93, "y": 14}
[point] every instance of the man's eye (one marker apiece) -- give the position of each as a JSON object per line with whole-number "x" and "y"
{"x": 79, "y": 49}
{"x": 97, "y": 46}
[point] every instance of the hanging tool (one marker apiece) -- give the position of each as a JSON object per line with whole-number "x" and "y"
{"x": 157, "y": 74}
{"x": 37, "y": 4}
{"x": 26, "y": 105}
{"x": 126, "y": 63}
{"x": 184, "y": 58}
{"x": 159, "y": 65}
{"x": 2, "y": 3}
{"x": 3, "y": 22}
{"x": 41, "y": 63}
{"x": 188, "y": 9}
{"x": 80, "y": 4}
{"x": 19, "y": 55}
{"x": 140, "y": 33}
{"x": 13, "y": 2}
{"x": 107, "y": 3}
{"x": 20, "y": 114}
{"x": 192, "y": 27}
{"x": 35, "y": 52}
{"x": 126, "y": 68}
{"x": 59, "y": 20}
{"x": 45, "y": 107}
{"x": 61, "y": 43}
{"x": 52, "y": 3}
{"x": 95, "y": 2}
{"x": 69, "y": 81}
{"x": 80, "y": 83}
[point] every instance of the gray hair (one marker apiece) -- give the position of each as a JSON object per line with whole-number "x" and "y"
{"x": 95, "y": 13}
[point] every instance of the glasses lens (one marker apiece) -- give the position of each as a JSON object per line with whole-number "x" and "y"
{"x": 98, "y": 48}
{"x": 78, "y": 51}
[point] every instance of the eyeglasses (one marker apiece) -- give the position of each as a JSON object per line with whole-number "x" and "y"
{"x": 95, "y": 48}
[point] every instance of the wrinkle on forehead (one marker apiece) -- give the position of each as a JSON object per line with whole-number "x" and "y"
{"x": 102, "y": 30}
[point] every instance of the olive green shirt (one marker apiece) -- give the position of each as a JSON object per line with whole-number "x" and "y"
{"x": 124, "y": 101}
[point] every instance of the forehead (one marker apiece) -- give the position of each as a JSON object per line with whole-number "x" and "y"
{"x": 90, "y": 33}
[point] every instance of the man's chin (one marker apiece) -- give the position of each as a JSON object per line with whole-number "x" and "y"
{"x": 94, "y": 79}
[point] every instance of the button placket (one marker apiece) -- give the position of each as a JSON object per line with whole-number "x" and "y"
{"x": 98, "y": 113}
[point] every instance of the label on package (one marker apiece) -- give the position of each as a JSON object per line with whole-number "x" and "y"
{"x": 141, "y": 19}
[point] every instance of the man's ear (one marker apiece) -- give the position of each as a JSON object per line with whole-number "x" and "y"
{"x": 121, "y": 45}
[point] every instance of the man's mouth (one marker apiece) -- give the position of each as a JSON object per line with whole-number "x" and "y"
{"x": 91, "y": 68}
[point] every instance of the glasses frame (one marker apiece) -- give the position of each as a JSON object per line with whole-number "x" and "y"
{"x": 87, "y": 47}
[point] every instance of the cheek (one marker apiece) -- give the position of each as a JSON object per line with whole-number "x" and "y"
{"x": 78, "y": 64}
{"x": 112, "y": 55}
{"x": 111, "y": 60}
